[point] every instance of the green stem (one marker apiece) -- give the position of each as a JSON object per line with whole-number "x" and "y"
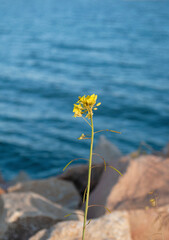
{"x": 89, "y": 178}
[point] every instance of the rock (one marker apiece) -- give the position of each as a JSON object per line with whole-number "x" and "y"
{"x": 3, "y": 184}
{"x": 109, "y": 177}
{"x": 78, "y": 174}
{"x": 107, "y": 150}
{"x": 113, "y": 226}
{"x": 2, "y": 191}
{"x": 1, "y": 179}
{"x": 41, "y": 235}
{"x": 57, "y": 191}
{"x": 21, "y": 177}
{"x": 23, "y": 214}
{"x": 146, "y": 178}
{"x": 141, "y": 224}
{"x": 150, "y": 224}
{"x": 165, "y": 151}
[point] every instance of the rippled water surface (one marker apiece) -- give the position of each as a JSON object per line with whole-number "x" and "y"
{"x": 53, "y": 51}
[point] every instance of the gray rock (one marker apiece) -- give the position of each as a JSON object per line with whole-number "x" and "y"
{"x": 21, "y": 177}
{"x": 109, "y": 177}
{"x": 78, "y": 175}
{"x": 57, "y": 191}
{"x": 107, "y": 150}
{"x": 23, "y": 214}
{"x": 165, "y": 150}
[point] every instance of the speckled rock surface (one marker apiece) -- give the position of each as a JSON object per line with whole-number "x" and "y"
{"x": 57, "y": 191}
{"x": 114, "y": 226}
{"x": 23, "y": 214}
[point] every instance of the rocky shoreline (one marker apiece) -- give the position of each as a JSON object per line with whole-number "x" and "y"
{"x": 53, "y": 209}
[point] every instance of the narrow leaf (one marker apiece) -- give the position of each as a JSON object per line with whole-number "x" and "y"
{"x": 89, "y": 222}
{"x": 67, "y": 165}
{"x": 84, "y": 194}
{"x": 114, "y": 131}
{"x": 73, "y": 161}
{"x": 116, "y": 170}
{"x": 98, "y": 205}
{"x": 108, "y": 209}
{"x": 105, "y": 165}
{"x": 68, "y": 215}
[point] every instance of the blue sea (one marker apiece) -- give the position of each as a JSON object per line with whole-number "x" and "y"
{"x": 53, "y": 51}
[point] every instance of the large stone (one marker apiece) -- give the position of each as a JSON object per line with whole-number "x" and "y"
{"x": 2, "y": 184}
{"x": 109, "y": 178}
{"x": 114, "y": 226}
{"x": 165, "y": 151}
{"x": 57, "y": 191}
{"x": 1, "y": 179}
{"x": 106, "y": 150}
{"x": 150, "y": 224}
{"x": 146, "y": 178}
{"x": 23, "y": 214}
{"x": 2, "y": 191}
{"x": 78, "y": 174}
{"x": 21, "y": 177}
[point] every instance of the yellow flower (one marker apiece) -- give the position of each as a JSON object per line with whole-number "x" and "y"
{"x": 81, "y": 137}
{"x": 88, "y": 101}
{"x": 153, "y": 202}
{"x": 85, "y": 106}
{"x": 77, "y": 110}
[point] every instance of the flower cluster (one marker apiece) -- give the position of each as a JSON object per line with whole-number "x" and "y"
{"x": 85, "y": 105}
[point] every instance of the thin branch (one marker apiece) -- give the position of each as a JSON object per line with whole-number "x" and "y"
{"x": 98, "y": 205}
{"x": 84, "y": 194}
{"x": 94, "y": 166}
{"x": 107, "y": 130}
{"x": 88, "y": 222}
{"x": 87, "y": 121}
{"x": 74, "y": 214}
{"x": 73, "y": 161}
{"x": 115, "y": 169}
{"x": 84, "y": 138}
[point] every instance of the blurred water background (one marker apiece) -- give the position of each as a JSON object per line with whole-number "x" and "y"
{"x": 52, "y": 51}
